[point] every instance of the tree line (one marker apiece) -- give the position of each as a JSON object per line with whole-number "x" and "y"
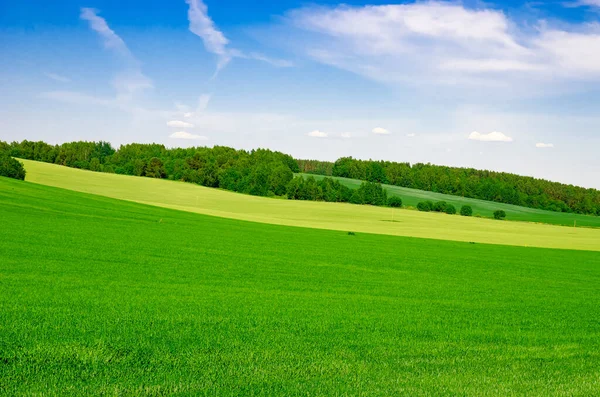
{"x": 259, "y": 172}
{"x": 500, "y": 187}
{"x": 264, "y": 172}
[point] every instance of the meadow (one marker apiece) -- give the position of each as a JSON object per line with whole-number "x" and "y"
{"x": 412, "y": 197}
{"x": 101, "y": 296}
{"x": 334, "y": 216}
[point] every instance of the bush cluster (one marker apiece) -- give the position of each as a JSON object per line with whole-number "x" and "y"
{"x": 466, "y": 210}
{"x": 395, "y": 202}
{"x": 440, "y": 206}
{"x": 499, "y": 214}
{"x": 10, "y": 167}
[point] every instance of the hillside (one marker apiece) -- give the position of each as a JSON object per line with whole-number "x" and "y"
{"x": 411, "y": 197}
{"x": 500, "y": 187}
{"x": 101, "y": 296}
{"x": 322, "y": 215}
{"x": 262, "y": 172}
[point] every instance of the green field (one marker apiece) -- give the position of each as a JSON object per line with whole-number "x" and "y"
{"x": 411, "y": 197}
{"x": 333, "y": 216}
{"x": 101, "y": 296}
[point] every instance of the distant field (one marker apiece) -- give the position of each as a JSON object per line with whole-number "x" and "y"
{"x": 107, "y": 297}
{"x": 334, "y": 216}
{"x": 412, "y": 197}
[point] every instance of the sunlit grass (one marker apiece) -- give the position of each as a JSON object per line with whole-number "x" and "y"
{"x": 334, "y": 216}
{"x": 99, "y": 296}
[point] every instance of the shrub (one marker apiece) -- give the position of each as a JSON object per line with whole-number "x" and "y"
{"x": 440, "y": 206}
{"x": 372, "y": 193}
{"x": 395, "y": 202}
{"x": 499, "y": 214}
{"x": 466, "y": 210}
{"x": 450, "y": 209}
{"x": 424, "y": 206}
{"x": 356, "y": 198}
{"x": 11, "y": 168}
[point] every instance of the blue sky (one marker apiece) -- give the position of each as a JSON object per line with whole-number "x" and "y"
{"x": 510, "y": 86}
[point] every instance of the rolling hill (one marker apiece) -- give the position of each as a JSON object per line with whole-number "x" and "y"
{"x": 411, "y": 197}
{"x": 334, "y": 216}
{"x": 101, "y": 296}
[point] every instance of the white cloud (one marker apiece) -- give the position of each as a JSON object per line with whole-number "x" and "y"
{"x": 179, "y": 124}
{"x": 112, "y": 41}
{"x": 345, "y": 135}
{"x": 380, "y": 131}
{"x": 57, "y": 77}
{"x": 318, "y": 134}
{"x": 544, "y": 145}
{"x": 215, "y": 41}
{"x": 447, "y": 43}
{"x": 131, "y": 80}
{"x": 582, "y": 3}
{"x": 491, "y": 137}
{"x": 187, "y": 135}
{"x": 279, "y": 63}
{"x": 411, "y": 135}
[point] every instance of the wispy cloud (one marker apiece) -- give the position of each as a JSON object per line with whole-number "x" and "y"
{"x": 131, "y": 79}
{"x": 57, "y": 77}
{"x": 446, "y": 43}
{"x": 128, "y": 83}
{"x": 215, "y": 41}
{"x": 111, "y": 40}
{"x": 187, "y": 135}
{"x": 491, "y": 137}
{"x": 544, "y": 145}
{"x": 583, "y": 3}
{"x": 279, "y": 63}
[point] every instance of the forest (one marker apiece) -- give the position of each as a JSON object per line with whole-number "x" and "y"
{"x": 466, "y": 182}
{"x": 263, "y": 172}
{"x": 259, "y": 172}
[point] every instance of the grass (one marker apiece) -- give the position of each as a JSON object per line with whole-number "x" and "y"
{"x": 333, "y": 216}
{"x": 412, "y": 197}
{"x": 100, "y": 296}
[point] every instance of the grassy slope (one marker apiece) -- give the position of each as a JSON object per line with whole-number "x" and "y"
{"x": 100, "y": 296}
{"x": 346, "y": 217}
{"x": 412, "y": 197}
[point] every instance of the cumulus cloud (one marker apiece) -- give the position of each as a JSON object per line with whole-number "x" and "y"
{"x": 447, "y": 43}
{"x": 179, "y": 124}
{"x": 491, "y": 137}
{"x": 544, "y": 145}
{"x": 187, "y": 135}
{"x": 318, "y": 134}
{"x": 380, "y": 131}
